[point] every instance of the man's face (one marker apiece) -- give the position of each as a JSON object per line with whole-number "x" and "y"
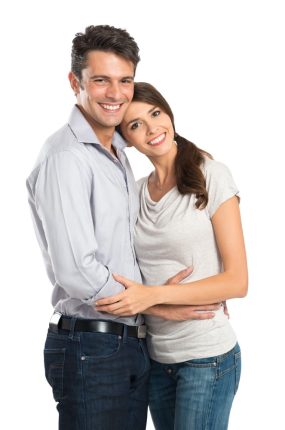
{"x": 106, "y": 88}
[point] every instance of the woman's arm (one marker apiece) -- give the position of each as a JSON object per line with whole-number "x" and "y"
{"x": 184, "y": 312}
{"x": 231, "y": 283}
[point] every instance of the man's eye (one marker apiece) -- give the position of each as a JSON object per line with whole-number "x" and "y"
{"x": 156, "y": 113}
{"x": 99, "y": 81}
{"x": 127, "y": 81}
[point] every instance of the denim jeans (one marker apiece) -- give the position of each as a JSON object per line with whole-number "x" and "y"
{"x": 196, "y": 394}
{"x": 100, "y": 381}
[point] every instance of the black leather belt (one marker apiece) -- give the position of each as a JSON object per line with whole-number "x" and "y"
{"x": 98, "y": 326}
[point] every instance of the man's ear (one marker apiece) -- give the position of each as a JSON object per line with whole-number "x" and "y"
{"x": 74, "y": 83}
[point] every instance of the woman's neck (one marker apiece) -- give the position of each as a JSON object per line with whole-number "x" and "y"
{"x": 163, "y": 178}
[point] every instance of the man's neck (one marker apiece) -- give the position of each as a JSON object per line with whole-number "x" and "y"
{"x": 104, "y": 134}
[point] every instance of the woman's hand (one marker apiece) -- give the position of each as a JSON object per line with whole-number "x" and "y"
{"x": 135, "y": 299}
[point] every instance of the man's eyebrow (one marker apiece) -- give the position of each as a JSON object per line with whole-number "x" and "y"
{"x": 137, "y": 119}
{"x": 108, "y": 77}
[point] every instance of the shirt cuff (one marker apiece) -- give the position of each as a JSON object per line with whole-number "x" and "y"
{"x": 111, "y": 288}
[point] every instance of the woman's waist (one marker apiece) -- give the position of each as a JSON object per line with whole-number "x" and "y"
{"x": 167, "y": 328}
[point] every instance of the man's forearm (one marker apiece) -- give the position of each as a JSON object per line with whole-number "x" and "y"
{"x": 183, "y": 312}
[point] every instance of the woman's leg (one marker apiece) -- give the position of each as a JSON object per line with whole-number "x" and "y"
{"x": 162, "y": 393}
{"x": 205, "y": 391}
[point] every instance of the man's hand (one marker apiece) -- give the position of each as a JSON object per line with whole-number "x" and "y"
{"x": 183, "y": 312}
{"x": 137, "y": 298}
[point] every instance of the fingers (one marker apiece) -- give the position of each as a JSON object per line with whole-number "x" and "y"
{"x": 116, "y": 309}
{"x": 124, "y": 281}
{"x": 121, "y": 279}
{"x": 204, "y": 316}
{"x": 226, "y": 311}
{"x": 180, "y": 276}
{"x": 194, "y": 315}
{"x": 108, "y": 300}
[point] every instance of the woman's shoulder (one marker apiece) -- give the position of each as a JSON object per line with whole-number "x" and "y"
{"x": 141, "y": 182}
{"x": 213, "y": 167}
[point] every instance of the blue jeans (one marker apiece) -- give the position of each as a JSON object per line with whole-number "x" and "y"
{"x": 196, "y": 394}
{"x": 100, "y": 381}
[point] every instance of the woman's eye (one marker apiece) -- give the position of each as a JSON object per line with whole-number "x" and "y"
{"x": 156, "y": 113}
{"x": 134, "y": 125}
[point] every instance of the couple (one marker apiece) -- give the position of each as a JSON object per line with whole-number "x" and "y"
{"x": 93, "y": 227}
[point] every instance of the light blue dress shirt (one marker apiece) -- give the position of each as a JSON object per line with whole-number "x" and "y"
{"x": 84, "y": 206}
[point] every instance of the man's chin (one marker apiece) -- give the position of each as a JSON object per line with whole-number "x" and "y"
{"x": 112, "y": 123}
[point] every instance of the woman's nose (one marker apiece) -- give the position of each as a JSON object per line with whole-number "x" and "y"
{"x": 152, "y": 129}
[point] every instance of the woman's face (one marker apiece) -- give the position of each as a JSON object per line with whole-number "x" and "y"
{"x": 148, "y": 129}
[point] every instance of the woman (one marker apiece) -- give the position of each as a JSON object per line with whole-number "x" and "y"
{"x": 189, "y": 216}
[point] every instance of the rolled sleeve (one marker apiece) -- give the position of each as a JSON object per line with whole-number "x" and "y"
{"x": 62, "y": 196}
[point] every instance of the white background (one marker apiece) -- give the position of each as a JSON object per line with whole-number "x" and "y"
{"x": 221, "y": 66}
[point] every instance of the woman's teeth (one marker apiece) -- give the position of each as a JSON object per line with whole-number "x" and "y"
{"x": 157, "y": 139}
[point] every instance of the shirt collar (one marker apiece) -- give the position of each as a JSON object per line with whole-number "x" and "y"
{"x": 84, "y": 132}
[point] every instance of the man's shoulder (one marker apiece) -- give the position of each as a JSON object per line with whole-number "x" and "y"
{"x": 63, "y": 140}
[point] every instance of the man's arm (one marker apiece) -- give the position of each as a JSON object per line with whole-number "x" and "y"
{"x": 62, "y": 199}
{"x": 183, "y": 312}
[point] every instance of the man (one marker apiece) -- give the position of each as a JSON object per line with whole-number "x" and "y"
{"x": 84, "y": 205}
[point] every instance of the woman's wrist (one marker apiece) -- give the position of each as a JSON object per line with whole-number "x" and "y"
{"x": 157, "y": 293}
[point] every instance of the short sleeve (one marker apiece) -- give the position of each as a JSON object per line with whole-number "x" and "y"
{"x": 220, "y": 185}
{"x": 140, "y": 183}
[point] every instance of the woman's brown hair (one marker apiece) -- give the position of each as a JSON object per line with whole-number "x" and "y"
{"x": 189, "y": 158}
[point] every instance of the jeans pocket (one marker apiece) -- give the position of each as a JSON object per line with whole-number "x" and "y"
{"x": 201, "y": 363}
{"x": 99, "y": 345}
{"x": 54, "y": 366}
{"x": 238, "y": 369}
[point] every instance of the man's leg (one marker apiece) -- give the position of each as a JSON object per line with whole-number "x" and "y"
{"x": 63, "y": 372}
{"x": 96, "y": 379}
{"x": 138, "y": 400}
{"x": 115, "y": 384}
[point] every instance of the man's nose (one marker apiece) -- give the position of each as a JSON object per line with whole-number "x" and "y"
{"x": 113, "y": 91}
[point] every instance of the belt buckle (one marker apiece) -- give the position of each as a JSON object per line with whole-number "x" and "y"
{"x": 141, "y": 331}
{"x": 54, "y": 321}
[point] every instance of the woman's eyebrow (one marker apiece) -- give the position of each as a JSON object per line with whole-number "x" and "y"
{"x": 137, "y": 119}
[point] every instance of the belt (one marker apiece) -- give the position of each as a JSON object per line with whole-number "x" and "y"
{"x": 98, "y": 326}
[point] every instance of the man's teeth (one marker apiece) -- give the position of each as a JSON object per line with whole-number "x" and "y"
{"x": 110, "y": 107}
{"x": 157, "y": 140}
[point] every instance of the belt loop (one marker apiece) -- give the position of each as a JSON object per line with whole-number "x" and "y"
{"x": 72, "y": 327}
{"x": 125, "y": 333}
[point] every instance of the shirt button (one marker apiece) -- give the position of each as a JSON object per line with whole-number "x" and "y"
{"x": 169, "y": 371}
